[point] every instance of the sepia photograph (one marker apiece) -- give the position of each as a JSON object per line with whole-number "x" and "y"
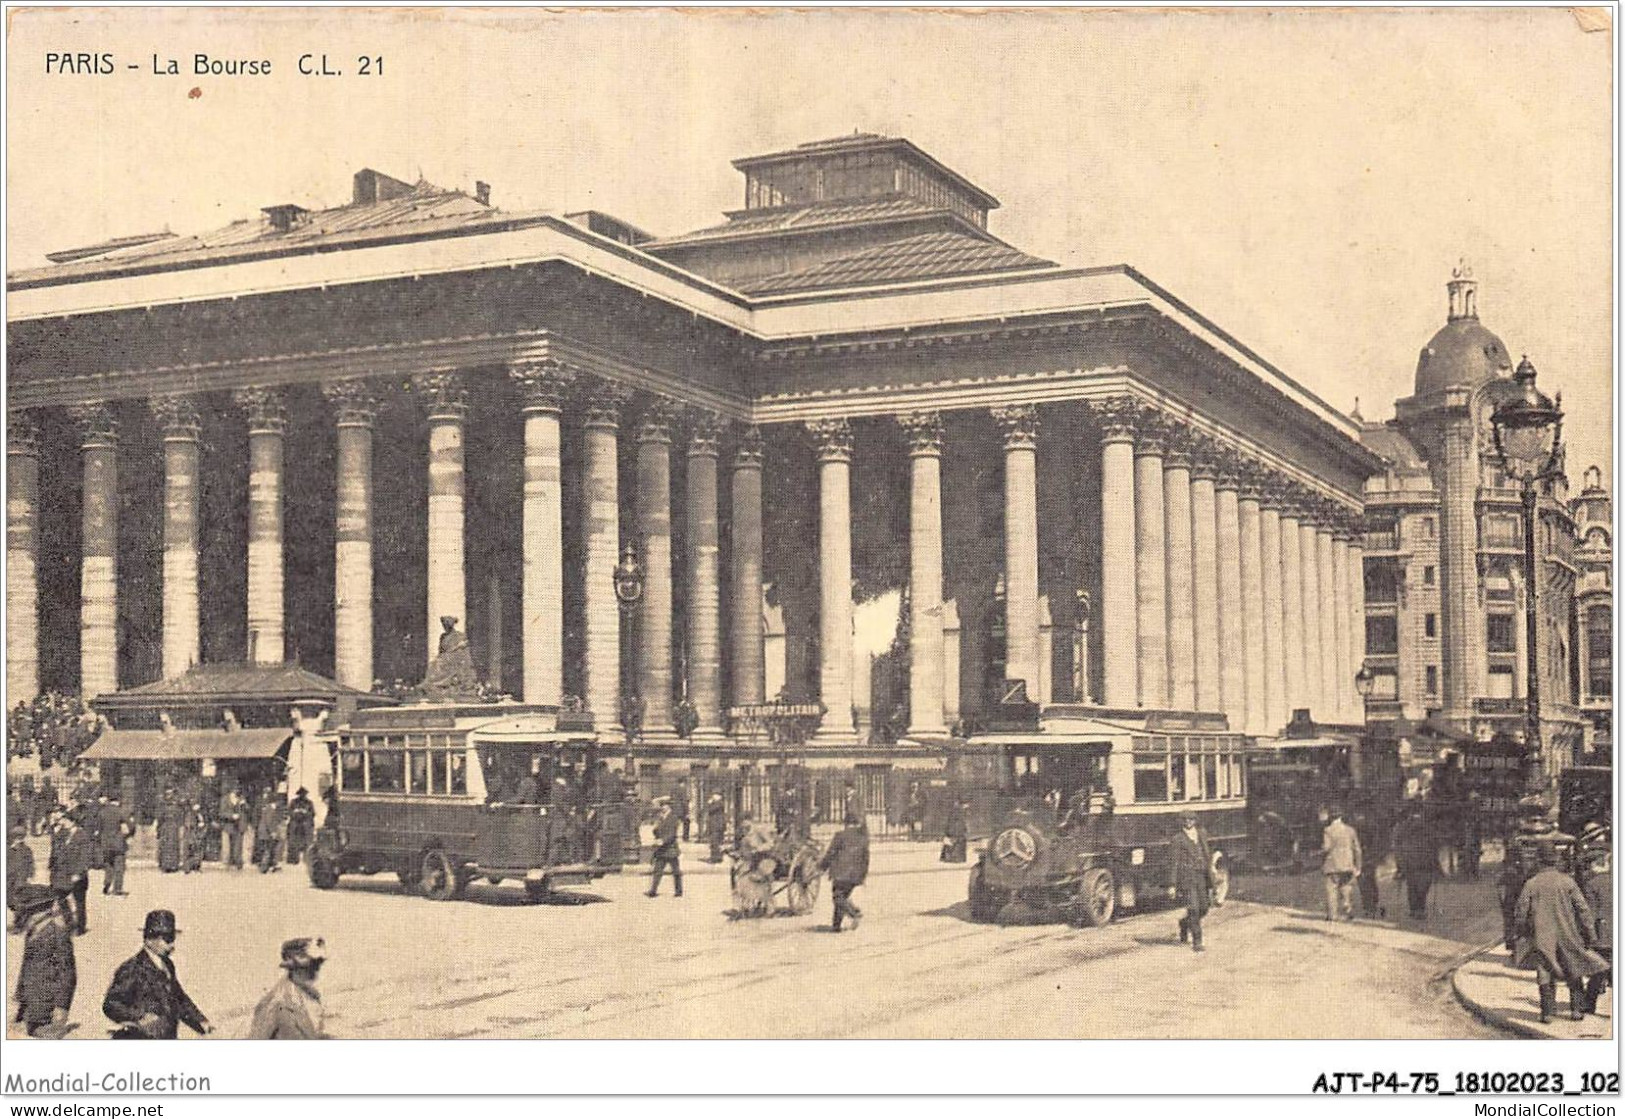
{"x": 814, "y": 525}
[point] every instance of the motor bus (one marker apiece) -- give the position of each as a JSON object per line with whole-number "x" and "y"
{"x": 1087, "y": 805}
{"x": 443, "y": 795}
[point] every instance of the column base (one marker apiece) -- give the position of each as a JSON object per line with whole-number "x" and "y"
{"x": 835, "y": 736}
{"x": 922, "y": 735}
{"x": 709, "y": 736}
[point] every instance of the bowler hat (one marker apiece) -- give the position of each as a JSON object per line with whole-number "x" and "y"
{"x": 160, "y": 924}
{"x": 32, "y": 898}
{"x": 302, "y": 951}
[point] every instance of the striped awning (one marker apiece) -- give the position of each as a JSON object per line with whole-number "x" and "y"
{"x": 186, "y": 745}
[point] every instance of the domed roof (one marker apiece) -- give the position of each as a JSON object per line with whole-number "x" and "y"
{"x": 1463, "y": 354}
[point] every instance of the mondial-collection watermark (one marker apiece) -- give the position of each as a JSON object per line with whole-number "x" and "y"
{"x": 85, "y": 1083}
{"x": 1543, "y": 1110}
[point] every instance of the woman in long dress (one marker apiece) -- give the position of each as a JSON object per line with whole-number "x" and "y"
{"x": 170, "y": 817}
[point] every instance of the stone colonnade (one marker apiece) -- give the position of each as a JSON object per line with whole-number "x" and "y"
{"x": 1224, "y": 585}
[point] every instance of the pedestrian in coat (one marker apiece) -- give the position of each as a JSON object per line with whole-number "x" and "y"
{"x": 847, "y": 860}
{"x": 92, "y": 816}
{"x": 171, "y": 823}
{"x": 716, "y": 826}
{"x": 70, "y": 867}
{"x": 1555, "y": 929}
{"x": 1371, "y": 856}
{"x": 1192, "y": 856}
{"x": 292, "y": 1009}
{"x": 194, "y": 838}
{"x": 1340, "y": 860}
{"x": 49, "y": 974}
{"x": 117, "y": 829}
{"x": 19, "y": 866}
{"x": 1416, "y": 860}
{"x": 666, "y": 852}
{"x": 684, "y": 812}
{"x": 301, "y": 825}
{"x": 956, "y": 835}
{"x": 1598, "y": 886}
{"x": 268, "y": 834}
{"x": 233, "y": 821}
{"x": 914, "y": 810}
{"x": 146, "y": 1000}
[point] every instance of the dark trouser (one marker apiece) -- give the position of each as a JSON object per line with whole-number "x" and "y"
{"x": 1370, "y": 902}
{"x": 1191, "y": 925}
{"x": 113, "y": 872}
{"x": 716, "y": 849}
{"x": 265, "y": 852}
{"x": 842, "y": 893}
{"x": 686, "y": 822}
{"x": 78, "y": 894}
{"x": 1417, "y": 890}
{"x": 234, "y": 847}
{"x": 661, "y": 863}
{"x": 1595, "y": 986}
{"x": 1578, "y": 1001}
{"x": 297, "y": 842}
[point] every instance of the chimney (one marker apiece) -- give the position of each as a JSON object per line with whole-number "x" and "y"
{"x": 1463, "y": 293}
{"x": 482, "y": 193}
{"x": 283, "y": 217}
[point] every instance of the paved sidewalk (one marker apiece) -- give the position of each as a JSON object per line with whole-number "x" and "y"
{"x": 1506, "y": 997}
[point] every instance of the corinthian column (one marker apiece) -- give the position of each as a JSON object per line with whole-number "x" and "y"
{"x": 98, "y": 575}
{"x": 447, "y": 403}
{"x": 602, "y": 524}
{"x": 1019, "y": 425}
{"x": 1292, "y": 611}
{"x": 178, "y": 416}
{"x": 544, "y": 385}
{"x": 654, "y": 528}
{"x": 22, "y": 557}
{"x": 1309, "y": 569}
{"x": 1356, "y": 609}
{"x": 266, "y": 423}
{"x": 1260, "y": 683}
{"x": 925, "y": 648}
{"x": 1150, "y": 561}
{"x": 745, "y": 577}
{"x": 704, "y": 590}
{"x": 1231, "y": 648}
{"x": 1344, "y": 702}
{"x": 1117, "y": 504}
{"x": 354, "y": 412}
{"x": 1176, "y": 484}
{"x": 1205, "y": 574}
{"x": 834, "y": 438}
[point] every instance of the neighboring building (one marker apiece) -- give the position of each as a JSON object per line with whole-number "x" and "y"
{"x": 1594, "y": 610}
{"x": 850, "y": 409}
{"x": 1444, "y": 545}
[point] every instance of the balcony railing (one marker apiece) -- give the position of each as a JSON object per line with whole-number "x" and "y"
{"x": 1382, "y": 541}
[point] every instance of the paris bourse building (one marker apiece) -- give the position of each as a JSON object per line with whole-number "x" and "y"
{"x": 866, "y": 454}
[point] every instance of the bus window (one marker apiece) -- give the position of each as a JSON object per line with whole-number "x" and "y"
{"x": 1238, "y": 785}
{"x": 1210, "y": 776}
{"x": 386, "y": 771}
{"x": 418, "y": 771}
{"x": 352, "y": 771}
{"x": 458, "y": 762}
{"x": 1150, "y": 778}
{"x": 437, "y": 771}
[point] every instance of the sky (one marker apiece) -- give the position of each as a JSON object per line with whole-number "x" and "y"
{"x": 1307, "y": 180}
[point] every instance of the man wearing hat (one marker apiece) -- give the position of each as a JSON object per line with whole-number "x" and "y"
{"x": 49, "y": 976}
{"x": 301, "y": 824}
{"x": 146, "y": 999}
{"x": 1555, "y": 931}
{"x": 116, "y": 831}
{"x": 666, "y": 851}
{"x": 716, "y": 826}
{"x": 292, "y": 1009}
{"x": 70, "y": 865}
{"x": 1193, "y": 877}
{"x": 19, "y": 865}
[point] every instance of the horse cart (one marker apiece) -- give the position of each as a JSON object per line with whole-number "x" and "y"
{"x": 789, "y": 870}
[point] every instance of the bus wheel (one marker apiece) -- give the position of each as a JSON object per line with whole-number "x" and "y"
{"x": 985, "y": 901}
{"x": 324, "y": 875}
{"x": 1221, "y": 878}
{"x": 1097, "y": 898}
{"x": 439, "y": 880}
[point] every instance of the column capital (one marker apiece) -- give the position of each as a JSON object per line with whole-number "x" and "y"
{"x": 545, "y": 383}
{"x": 1253, "y": 479}
{"x": 834, "y": 439}
{"x": 704, "y": 432}
{"x": 1018, "y": 423}
{"x": 1118, "y": 417}
{"x": 924, "y": 432}
{"x": 178, "y": 415}
{"x": 1228, "y": 467}
{"x": 22, "y": 432}
{"x": 655, "y": 421}
{"x": 445, "y": 395}
{"x": 263, "y": 409}
{"x": 1276, "y": 492}
{"x": 1179, "y": 452}
{"x": 602, "y": 402}
{"x": 748, "y": 449}
{"x": 98, "y": 425}
{"x": 1152, "y": 432}
{"x": 353, "y": 402}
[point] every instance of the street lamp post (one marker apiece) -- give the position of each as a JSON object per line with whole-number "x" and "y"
{"x": 1528, "y": 432}
{"x": 1363, "y": 680}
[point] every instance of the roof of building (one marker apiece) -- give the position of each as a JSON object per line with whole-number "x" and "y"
{"x": 800, "y": 218}
{"x": 1462, "y": 355}
{"x": 205, "y": 684}
{"x": 869, "y": 141}
{"x": 424, "y": 210}
{"x": 925, "y": 256}
{"x": 1390, "y": 442}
